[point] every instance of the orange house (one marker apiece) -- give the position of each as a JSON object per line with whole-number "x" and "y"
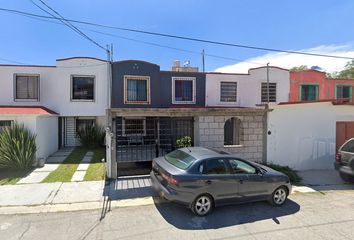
{"x": 313, "y": 85}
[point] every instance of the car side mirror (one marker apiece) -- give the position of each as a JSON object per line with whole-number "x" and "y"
{"x": 259, "y": 172}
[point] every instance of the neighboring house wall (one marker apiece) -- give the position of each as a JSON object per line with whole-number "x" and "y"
{"x": 55, "y": 86}
{"x": 302, "y": 141}
{"x": 248, "y": 86}
{"x": 47, "y": 136}
{"x": 326, "y": 86}
{"x": 45, "y": 128}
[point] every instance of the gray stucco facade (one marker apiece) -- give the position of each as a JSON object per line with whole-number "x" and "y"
{"x": 160, "y": 84}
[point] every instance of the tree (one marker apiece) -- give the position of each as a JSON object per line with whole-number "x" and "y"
{"x": 299, "y": 68}
{"x": 347, "y": 72}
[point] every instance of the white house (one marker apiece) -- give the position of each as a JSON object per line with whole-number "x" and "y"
{"x": 247, "y": 90}
{"x": 305, "y": 135}
{"x": 76, "y": 89}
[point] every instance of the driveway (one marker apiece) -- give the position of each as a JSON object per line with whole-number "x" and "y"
{"x": 306, "y": 216}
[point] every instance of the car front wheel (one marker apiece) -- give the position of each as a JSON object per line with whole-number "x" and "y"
{"x": 202, "y": 205}
{"x": 279, "y": 196}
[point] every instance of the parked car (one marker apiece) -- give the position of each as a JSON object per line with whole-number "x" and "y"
{"x": 344, "y": 163}
{"x": 203, "y": 178}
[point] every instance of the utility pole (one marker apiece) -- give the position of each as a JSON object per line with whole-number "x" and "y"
{"x": 203, "y": 60}
{"x": 267, "y": 83}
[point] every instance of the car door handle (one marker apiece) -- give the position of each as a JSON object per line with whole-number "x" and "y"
{"x": 208, "y": 182}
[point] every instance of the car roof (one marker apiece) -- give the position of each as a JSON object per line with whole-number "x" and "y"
{"x": 202, "y": 152}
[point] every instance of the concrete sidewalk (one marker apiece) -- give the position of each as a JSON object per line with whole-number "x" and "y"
{"x": 125, "y": 191}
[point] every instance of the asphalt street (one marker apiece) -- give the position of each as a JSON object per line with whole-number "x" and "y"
{"x": 320, "y": 215}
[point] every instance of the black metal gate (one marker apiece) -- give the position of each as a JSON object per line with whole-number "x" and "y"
{"x": 144, "y": 138}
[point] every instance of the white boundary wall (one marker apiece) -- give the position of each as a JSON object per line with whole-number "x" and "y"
{"x": 303, "y": 136}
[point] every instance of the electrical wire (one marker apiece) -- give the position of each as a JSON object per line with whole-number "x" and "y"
{"x": 67, "y": 23}
{"x": 186, "y": 38}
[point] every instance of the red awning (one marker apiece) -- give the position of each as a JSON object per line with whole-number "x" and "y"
{"x": 24, "y": 110}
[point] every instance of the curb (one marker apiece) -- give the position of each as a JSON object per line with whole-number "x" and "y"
{"x": 70, "y": 207}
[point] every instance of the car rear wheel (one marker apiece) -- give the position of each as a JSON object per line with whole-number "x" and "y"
{"x": 203, "y": 205}
{"x": 346, "y": 177}
{"x": 279, "y": 196}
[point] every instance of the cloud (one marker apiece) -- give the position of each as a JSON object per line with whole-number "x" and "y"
{"x": 286, "y": 60}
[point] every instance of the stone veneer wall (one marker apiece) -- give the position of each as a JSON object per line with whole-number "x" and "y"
{"x": 209, "y": 132}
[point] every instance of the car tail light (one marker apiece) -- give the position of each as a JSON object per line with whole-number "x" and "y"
{"x": 338, "y": 157}
{"x": 170, "y": 179}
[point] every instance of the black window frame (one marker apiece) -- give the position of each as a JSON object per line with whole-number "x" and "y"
{"x": 15, "y": 87}
{"x": 8, "y": 121}
{"x": 83, "y": 119}
{"x": 72, "y": 94}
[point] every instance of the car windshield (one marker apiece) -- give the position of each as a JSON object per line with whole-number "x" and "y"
{"x": 349, "y": 146}
{"x": 180, "y": 159}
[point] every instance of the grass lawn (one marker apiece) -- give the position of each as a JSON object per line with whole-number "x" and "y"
{"x": 12, "y": 177}
{"x": 66, "y": 170}
{"x": 96, "y": 170}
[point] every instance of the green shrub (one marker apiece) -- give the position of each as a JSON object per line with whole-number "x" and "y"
{"x": 185, "y": 141}
{"x": 17, "y": 148}
{"x": 91, "y": 136}
{"x": 294, "y": 178}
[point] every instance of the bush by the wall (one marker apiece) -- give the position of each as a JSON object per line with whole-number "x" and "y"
{"x": 185, "y": 141}
{"x": 294, "y": 178}
{"x": 91, "y": 136}
{"x": 17, "y": 148}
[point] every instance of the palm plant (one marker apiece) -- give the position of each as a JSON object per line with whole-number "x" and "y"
{"x": 91, "y": 136}
{"x": 17, "y": 147}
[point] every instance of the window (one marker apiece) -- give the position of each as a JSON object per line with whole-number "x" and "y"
{"x": 180, "y": 159}
{"x": 214, "y": 166}
{"x": 4, "y": 124}
{"x": 137, "y": 89}
{"x": 272, "y": 92}
{"x": 240, "y": 167}
{"x": 81, "y": 124}
{"x": 308, "y": 92}
{"x": 136, "y": 126}
{"x": 232, "y": 132}
{"x": 228, "y": 91}
{"x": 183, "y": 90}
{"x": 344, "y": 91}
{"x": 83, "y": 88}
{"x": 348, "y": 147}
{"x": 27, "y": 87}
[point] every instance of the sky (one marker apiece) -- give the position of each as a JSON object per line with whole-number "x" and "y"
{"x": 321, "y": 26}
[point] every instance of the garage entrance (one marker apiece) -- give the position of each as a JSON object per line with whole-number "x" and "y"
{"x": 140, "y": 139}
{"x": 344, "y": 131}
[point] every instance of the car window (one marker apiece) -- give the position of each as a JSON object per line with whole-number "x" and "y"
{"x": 214, "y": 166}
{"x": 348, "y": 147}
{"x": 240, "y": 167}
{"x": 180, "y": 159}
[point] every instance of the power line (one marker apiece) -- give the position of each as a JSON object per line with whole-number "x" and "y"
{"x": 187, "y": 38}
{"x": 11, "y": 61}
{"x": 145, "y": 42}
{"x": 67, "y": 23}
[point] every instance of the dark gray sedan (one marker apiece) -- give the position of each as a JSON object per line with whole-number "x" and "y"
{"x": 202, "y": 178}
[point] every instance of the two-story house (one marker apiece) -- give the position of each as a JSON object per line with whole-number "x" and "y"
{"x": 313, "y": 85}
{"x": 151, "y": 109}
{"x": 54, "y": 101}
